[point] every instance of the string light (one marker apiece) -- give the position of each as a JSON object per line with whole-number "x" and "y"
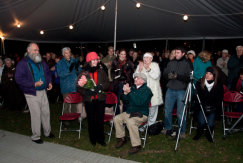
{"x": 102, "y": 7}
{"x": 2, "y": 37}
{"x": 42, "y": 32}
{"x": 185, "y": 17}
{"x": 138, "y": 5}
{"x": 18, "y": 25}
{"x": 71, "y": 27}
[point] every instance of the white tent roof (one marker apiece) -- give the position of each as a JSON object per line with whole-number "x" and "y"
{"x": 156, "y": 19}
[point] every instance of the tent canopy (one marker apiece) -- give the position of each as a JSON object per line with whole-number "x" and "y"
{"x": 155, "y": 20}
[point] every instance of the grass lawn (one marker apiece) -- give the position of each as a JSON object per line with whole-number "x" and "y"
{"x": 158, "y": 148}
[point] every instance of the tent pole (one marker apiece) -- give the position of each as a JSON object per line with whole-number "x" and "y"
{"x": 115, "y": 28}
{"x": 203, "y": 44}
{"x": 166, "y": 45}
{"x": 2, "y": 47}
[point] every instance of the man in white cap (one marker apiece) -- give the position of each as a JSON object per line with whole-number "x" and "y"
{"x": 223, "y": 61}
{"x": 152, "y": 71}
{"x": 138, "y": 96}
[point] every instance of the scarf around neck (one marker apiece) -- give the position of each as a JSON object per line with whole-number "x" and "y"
{"x": 209, "y": 85}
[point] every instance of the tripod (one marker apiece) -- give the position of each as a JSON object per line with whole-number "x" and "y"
{"x": 187, "y": 100}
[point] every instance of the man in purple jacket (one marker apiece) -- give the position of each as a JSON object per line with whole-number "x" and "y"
{"x": 34, "y": 77}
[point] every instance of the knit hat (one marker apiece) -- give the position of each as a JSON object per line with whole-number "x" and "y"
{"x": 211, "y": 70}
{"x": 91, "y": 56}
{"x": 148, "y": 55}
{"x": 141, "y": 75}
{"x": 225, "y": 51}
{"x": 191, "y": 52}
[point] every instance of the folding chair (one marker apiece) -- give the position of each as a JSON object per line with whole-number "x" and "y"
{"x": 144, "y": 138}
{"x": 111, "y": 99}
{"x": 231, "y": 98}
{"x": 71, "y": 98}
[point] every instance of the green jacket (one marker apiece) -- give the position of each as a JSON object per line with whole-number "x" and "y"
{"x": 138, "y": 99}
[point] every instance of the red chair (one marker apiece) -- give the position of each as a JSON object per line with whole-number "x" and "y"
{"x": 231, "y": 98}
{"x": 111, "y": 99}
{"x": 71, "y": 98}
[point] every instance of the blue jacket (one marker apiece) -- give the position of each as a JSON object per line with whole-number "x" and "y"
{"x": 67, "y": 79}
{"x": 24, "y": 77}
{"x": 199, "y": 68}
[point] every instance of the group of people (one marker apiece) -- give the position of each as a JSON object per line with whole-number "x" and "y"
{"x": 137, "y": 80}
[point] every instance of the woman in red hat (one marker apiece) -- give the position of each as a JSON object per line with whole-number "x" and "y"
{"x": 94, "y": 96}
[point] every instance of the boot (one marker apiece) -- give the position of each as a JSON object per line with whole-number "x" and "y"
{"x": 120, "y": 142}
{"x": 199, "y": 134}
{"x": 208, "y": 136}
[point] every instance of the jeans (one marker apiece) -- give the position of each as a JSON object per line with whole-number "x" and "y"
{"x": 172, "y": 97}
{"x": 210, "y": 117}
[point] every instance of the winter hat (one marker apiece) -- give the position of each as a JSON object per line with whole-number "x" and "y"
{"x": 211, "y": 70}
{"x": 148, "y": 55}
{"x": 225, "y": 51}
{"x": 91, "y": 56}
{"x": 191, "y": 52}
{"x": 141, "y": 75}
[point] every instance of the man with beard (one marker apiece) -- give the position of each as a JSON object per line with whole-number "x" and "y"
{"x": 33, "y": 77}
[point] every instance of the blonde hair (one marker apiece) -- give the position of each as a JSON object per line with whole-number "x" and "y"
{"x": 204, "y": 56}
{"x": 172, "y": 55}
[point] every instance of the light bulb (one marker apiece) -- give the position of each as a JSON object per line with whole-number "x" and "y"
{"x": 102, "y": 7}
{"x": 138, "y": 5}
{"x": 185, "y": 17}
{"x": 71, "y": 27}
{"x": 2, "y": 37}
{"x": 18, "y": 25}
{"x": 42, "y": 32}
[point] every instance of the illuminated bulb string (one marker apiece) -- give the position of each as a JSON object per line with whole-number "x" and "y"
{"x": 182, "y": 14}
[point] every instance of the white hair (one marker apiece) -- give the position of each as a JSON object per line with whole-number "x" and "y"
{"x": 65, "y": 49}
{"x": 239, "y": 46}
{"x": 7, "y": 60}
{"x": 30, "y": 44}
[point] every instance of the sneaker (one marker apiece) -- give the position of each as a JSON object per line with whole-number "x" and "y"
{"x": 182, "y": 136}
{"x": 135, "y": 149}
{"x": 142, "y": 128}
{"x": 163, "y": 132}
{"x": 121, "y": 142}
{"x": 38, "y": 141}
{"x": 26, "y": 111}
{"x": 51, "y": 136}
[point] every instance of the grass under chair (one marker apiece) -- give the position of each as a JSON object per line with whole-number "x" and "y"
{"x": 158, "y": 148}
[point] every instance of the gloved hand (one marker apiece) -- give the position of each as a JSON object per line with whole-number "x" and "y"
{"x": 88, "y": 92}
{"x": 98, "y": 88}
{"x": 172, "y": 75}
{"x": 72, "y": 66}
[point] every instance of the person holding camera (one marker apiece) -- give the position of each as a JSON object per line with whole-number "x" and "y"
{"x": 177, "y": 73}
{"x": 92, "y": 83}
{"x": 210, "y": 91}
{"x": 67, "y": 70}
{"x": 138, "y": 96}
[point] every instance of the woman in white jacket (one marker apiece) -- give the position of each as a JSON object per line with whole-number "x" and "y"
{"x": 152, "y": 71}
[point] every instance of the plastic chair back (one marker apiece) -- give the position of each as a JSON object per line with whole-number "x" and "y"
{"x": 111, "y": 98}
{"x": 233, "y": 97}
{"x": 73, "y": 98}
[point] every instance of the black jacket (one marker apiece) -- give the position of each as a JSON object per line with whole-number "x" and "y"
{"x": 183, "y": 69}
{"x": 213, "y": 98}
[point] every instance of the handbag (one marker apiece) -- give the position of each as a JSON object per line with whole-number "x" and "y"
{"x": 155, "y": 128}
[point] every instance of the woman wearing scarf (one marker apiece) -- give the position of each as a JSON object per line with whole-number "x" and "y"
{"x": 94, "y": 98}
{"x": 121, "y": 72}
{"x": 211, "y": 93}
